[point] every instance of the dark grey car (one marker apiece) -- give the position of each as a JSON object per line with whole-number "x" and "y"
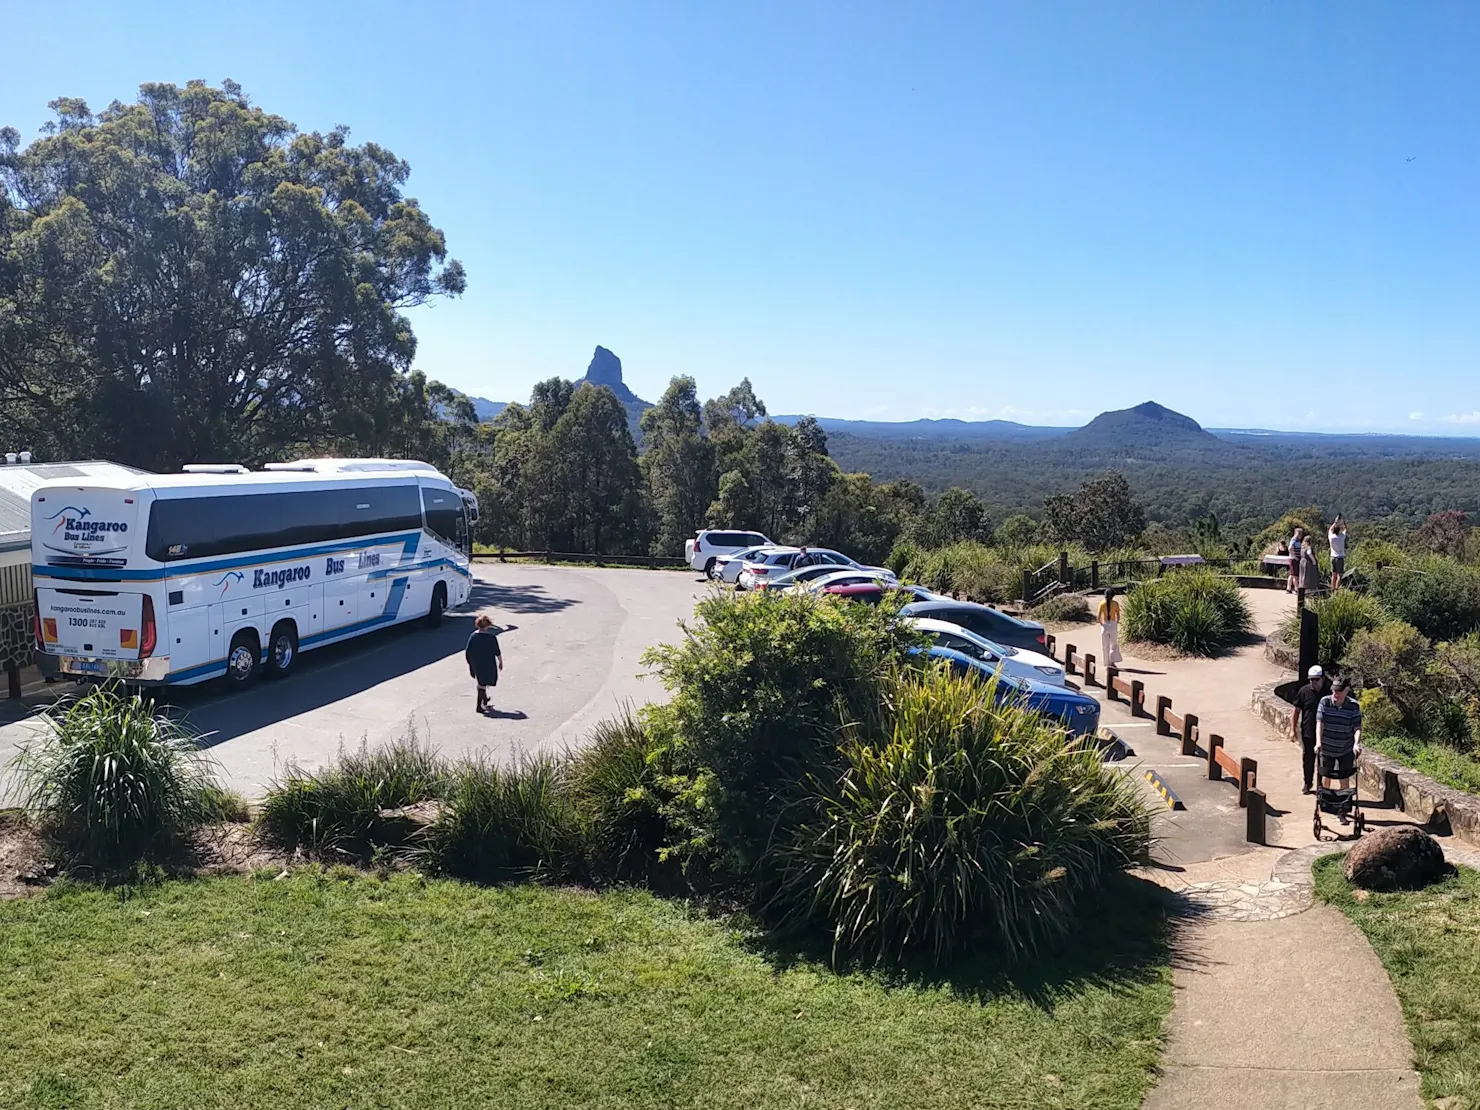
{"x": 983, "y": 620}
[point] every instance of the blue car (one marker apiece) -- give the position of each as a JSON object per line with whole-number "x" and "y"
{"x": 1079, "y": 713}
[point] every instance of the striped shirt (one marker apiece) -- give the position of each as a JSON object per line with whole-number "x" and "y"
{"x": 1339, "y": 724}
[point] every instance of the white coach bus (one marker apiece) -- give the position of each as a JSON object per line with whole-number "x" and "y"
{"x": 218, "y": 571}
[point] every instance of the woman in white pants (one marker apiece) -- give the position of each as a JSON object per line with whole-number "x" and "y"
{"x": 1110, "y": 629}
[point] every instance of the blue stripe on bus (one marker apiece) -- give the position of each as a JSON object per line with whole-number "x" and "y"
{"x": 216, "y": 666}
{"x": 391, "y": 611}
{"x": 409, "y": 542}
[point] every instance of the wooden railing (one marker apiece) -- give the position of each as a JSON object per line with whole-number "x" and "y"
{"x": 1186, "y": 728}
{"x": 583, "y": 557}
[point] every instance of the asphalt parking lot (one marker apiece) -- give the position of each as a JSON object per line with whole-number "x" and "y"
{"x": 572, "y": 639}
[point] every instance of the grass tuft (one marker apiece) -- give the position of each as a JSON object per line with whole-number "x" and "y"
{"x": 113, "y": 780}
{"x": 341, "y": 805}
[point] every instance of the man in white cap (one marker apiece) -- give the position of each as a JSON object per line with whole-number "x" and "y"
{"x": 1303, "y": 721}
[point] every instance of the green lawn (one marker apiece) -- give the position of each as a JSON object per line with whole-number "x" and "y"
{"x": 1441, "y": 762}
{"x": 1429, "y": 941}
{"x": 341, "y": 990}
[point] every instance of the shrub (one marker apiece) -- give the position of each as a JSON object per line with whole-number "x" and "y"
{"x": 1393, "y": 655}
{"x": 1194, "y": 610}
{"x": 113, "y": 780}
{"x": 1380, "y": 715}
{"x": 970, "y": 569}
{"x": 506, "y": 823}
{"x": 1439, "y": 597}
{"x": 757, "y": 684}
{"x": 956, "y": 825}
{"x": 1063, "y": 607}
{"x": 341, "y": 805}
{"x": 621, "y": 786}
{"x": 1340, "y": 616}
{"x": 904, "y": 557}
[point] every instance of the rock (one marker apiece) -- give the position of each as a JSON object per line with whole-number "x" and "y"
{"x": 1398, "y": 858}
{"x": 404, "y": 824}
{"x": 35, "y": 874}
{"x": 606, "y": 369}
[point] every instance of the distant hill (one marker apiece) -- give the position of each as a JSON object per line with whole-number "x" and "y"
{"x": 487, "y": 409}
{"x": 1146, "y": 425}
{"x": 936, "y": 429}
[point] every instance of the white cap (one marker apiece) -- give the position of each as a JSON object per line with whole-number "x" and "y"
{"x": 1315, "y": 672}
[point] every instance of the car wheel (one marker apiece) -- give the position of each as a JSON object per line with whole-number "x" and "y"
{"x": 243, "y": 659}
{"x": 282, "y": 650}
{"x": 438, "y": 606}
{"x": 709, "y": 568}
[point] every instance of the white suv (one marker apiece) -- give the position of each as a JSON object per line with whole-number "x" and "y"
{"x": 709, "y": 544}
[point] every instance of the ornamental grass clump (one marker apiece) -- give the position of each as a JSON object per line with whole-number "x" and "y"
{"x": 957, "y": 827}
{"x": 1193, "y": 610}
{"x": 342, "y": 805}
{"x": 113, "y": 780}
{"x": 508, "y": 822}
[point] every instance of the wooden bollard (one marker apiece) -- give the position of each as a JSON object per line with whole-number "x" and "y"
{"x": 1138, "y": 698}
{"x": 1189, "y": 734}
{"x": 1254, "y": 818}
{"x": 1050, "y": 641}
{"x": 1248, "y": 776}
{"x": 1112, "y": 673}
{"x": 1214, "y": 771}
{"x": 1089, "y": 669}
{"x": 1163, "y": 706}
{"x": 1069, "y": 650}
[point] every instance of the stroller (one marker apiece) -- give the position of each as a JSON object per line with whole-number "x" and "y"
{"x": 1337, "y": 801}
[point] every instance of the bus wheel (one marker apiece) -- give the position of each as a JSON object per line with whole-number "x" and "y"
{"x": 282, "y": 649}
{"x": 439, "y": 605}
{"x": 242, "y": 659}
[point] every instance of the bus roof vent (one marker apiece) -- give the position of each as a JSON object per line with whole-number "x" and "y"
{"x": 295, "y": 467}
{"x": 214, "y": 468}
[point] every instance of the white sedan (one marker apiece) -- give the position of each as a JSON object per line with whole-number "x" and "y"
{"x": 727, "y": 568}
{"x": 849, "y": 576}
{"x": 772, "y": 562}
{"x": 1015, "y": 662}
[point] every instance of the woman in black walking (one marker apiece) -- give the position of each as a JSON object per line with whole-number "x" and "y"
{"x": 485, "y": 660}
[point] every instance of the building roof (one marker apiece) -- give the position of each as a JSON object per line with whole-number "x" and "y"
{"x": 18, "y": 480}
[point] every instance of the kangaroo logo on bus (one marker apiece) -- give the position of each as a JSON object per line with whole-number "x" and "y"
{"x": 228, "y": 579}
{"x": 80, "y": 514}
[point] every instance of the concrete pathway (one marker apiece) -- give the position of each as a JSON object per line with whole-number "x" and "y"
{"x": 1279, "y": 1003}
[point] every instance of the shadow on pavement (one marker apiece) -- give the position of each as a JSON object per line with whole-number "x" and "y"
{"x": 340, "y": 671}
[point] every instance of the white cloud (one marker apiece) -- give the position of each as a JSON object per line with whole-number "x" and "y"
{"x": 1415, "y": 416}
{"x": 1461, "y": 418}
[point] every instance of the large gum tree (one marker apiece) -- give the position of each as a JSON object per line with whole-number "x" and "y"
{"x": 190, "y": 278}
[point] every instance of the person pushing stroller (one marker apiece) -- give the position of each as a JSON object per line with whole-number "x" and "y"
{"x": 1338, "y": 742}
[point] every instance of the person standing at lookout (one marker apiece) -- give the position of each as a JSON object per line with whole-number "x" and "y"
{"x": 1337, "y": 538}
{"x": 1110, "y": 629}
{"x": 1303, "y": 722}
{"x": 1297, "y": 544}
{"x": 484, "y": 657}
{"x": 1310, "y": 570}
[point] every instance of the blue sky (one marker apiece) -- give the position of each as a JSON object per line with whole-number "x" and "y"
{"x": 1034, "y": 211}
